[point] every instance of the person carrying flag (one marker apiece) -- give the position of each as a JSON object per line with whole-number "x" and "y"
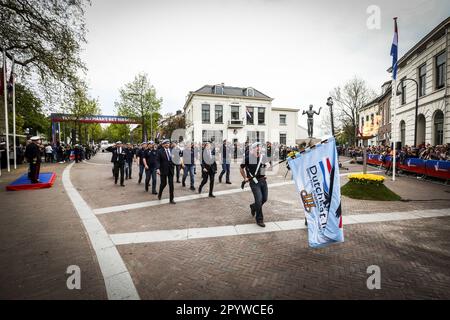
{"x": 253, "y": 171}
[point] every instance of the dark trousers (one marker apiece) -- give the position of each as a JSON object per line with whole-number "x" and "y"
{"x": 129, "y": 170}
{"x": 205, "y": 176}
{"x": 178, "y": 169}
{"x": 119, "y": 168}
{"x": 150, "y": 174}
{"x": 163, "y": 184}
{"x": 260, "y": 193}
{"x": 225, "y": 170}
{"x": 189, "y": 169}
{"x": 33, "y": 175}
{"x": 141, "y": 172}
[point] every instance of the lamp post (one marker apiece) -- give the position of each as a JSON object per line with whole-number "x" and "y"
{"x": 399, "y": 92}
{"x": 330, "y": 104}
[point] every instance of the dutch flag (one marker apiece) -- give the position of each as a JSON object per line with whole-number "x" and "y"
{"x": 394, "y": 51}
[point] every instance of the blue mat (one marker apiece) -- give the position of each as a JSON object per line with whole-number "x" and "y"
{"x": 46, "y": 180}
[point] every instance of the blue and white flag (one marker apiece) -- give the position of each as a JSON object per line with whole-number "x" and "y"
{"x": 316, "y": 176}
{"x": 394, "y": 51}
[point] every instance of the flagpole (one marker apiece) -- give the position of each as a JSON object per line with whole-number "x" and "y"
{"x": 14, "y": 112}
{"x": 394, "y": 98}
{"x": 5, "y": 92}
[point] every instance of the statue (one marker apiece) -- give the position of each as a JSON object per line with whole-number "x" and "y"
{"x": 310, "y": 114}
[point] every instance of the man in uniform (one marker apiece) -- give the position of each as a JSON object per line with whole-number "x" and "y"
{"x": 209, "y": 169}
{"x": 140, "y": 157}
{"x": 188, "y": 158}
{"x": 129, "y": 157}
{"x": 253, "y": 171}
{"x": 33, "y": 156}
{"x": 165, "y": 169}
{"x": 118, "y": 158}
{"x": 150, "y": 164}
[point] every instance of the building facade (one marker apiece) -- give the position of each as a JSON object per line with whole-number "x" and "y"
{"x": 426, "y": 63}
{"x": 217, "y": 112}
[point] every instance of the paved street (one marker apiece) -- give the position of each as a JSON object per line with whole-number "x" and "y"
{"x": 129, "y": 245}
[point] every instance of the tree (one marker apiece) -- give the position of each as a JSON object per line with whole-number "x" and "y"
{"x": 80, "y": 105}
{"x": 349, "y": 100}
{"x": 115, "y": 132}
{"x": 45, "y": 39}
{"x": 138, "y": 99}
{"x": 29, "y": 112}
{"x": 172, "y": 123}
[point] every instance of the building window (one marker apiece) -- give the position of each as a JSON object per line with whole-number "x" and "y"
{"x": 372, "y": 119}
{"x": 218, "y": 114}
{"x": 422, "y": 79}
{"x": 367, "y": 118}
{"x": 438, "y": 128}
{"x": 205, "y": 113}
{"x": 255, "y": 136}
{"x": 212, "y": 135}
{"x": 250, "y": 92}
{"x": 261, "y": 115}
{"x": 282, "y": 119}
{"x": 403, "y": 96}
{"x": 283, "y": 138}
{"x": 250, "y": 115}
{"x": 218, "y": 89}
{"x": 440, "y": 70}
{"x": 234, "y": 113}
{"x": 402, "y": 132}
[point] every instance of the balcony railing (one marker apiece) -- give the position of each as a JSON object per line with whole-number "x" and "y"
{"x": 235, "y": 123}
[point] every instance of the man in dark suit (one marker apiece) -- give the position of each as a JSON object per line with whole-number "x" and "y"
{"x": 209, "y": 168}
{"x": 118, "y": 158}
{"x": 165, "y": 169}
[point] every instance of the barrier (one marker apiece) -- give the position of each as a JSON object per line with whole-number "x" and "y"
{"x": 432, "y": 168}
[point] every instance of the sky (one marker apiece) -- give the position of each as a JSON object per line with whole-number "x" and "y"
{"x": 293, "y": 51}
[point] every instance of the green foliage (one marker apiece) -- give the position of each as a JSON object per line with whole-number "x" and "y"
{"x": 138, "y": 100}
{"x": 377, "y": 192}
{"x": 115, "y": 132}
{"x": 45, "y": 37}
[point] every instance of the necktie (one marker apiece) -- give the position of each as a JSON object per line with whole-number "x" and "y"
{"x": 168, "y": 155}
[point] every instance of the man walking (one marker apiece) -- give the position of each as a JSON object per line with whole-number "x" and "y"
{"x": 253, "y": 171}
{"x": 33, "y": 156}
{"x": 118, "y": 158}
{"x": 150, "y": 164}
{"x": 188, "y": 157}
{"x": 226, "y": 160}
{"x": 140, "y": 158}
{"x": 129, "y": 157}
{"x": 165, "y": 169}
{"x": 209, "y": 169}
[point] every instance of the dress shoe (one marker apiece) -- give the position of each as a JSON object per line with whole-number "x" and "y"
{"x": 261, "y": 224}
{"x": 159, "y": 197}
{"x": 199, "y": 190}
{"x": 220, "y": 179}
{"x": 172, "y": 202}
{"x": 192, "y": 188}
{"x": 211, "y": 196}
{"x": 122, "y": 185}
{"x": 183, "y": 184}
{"x": 154, "y": 192}
{"x": 228, "y": 182}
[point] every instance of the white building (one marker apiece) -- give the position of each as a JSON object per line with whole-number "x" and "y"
{"x": 368, "y": 118}
{"x": 427, "y": 63}
{"x": 217, "y": 112}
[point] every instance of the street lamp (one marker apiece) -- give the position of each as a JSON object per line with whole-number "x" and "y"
{"x": 399, "y": 92}
{"x": 330, "y": 104}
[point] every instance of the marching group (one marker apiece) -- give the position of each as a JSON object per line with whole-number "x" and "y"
{"x": 168, "y": 159}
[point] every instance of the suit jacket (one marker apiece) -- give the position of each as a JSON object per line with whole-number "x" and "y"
{"x": 165, "y": 166}
{"x": 116, "y": 156}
